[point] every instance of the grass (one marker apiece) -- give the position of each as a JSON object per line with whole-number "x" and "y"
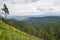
{"x": 10, "y": 33}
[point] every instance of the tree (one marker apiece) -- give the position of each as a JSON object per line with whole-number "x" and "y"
{"x": 0, "y": 14}
{"x": 6, "y": 11}
{"x": 46, "y": 34}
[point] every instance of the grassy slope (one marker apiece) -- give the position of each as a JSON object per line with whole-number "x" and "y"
{"x": 10, "y": 33}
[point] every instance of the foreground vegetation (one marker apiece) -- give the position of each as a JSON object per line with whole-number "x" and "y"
{"x": 10, "y": 33}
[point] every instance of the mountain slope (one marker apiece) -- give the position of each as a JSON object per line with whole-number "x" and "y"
{"x": 10, "y": 33}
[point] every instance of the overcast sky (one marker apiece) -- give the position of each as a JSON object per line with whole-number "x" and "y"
{"x": 31, "y": 7}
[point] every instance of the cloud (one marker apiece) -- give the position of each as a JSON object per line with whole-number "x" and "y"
{"x": 20, "y": 1}
{"x": 32, "y": 7}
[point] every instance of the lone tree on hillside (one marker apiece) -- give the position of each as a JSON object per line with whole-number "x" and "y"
{"x": 6, "y": 11}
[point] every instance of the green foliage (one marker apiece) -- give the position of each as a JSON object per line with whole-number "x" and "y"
{"x": 48, "y": 31}
{"x": 23, "y": 26}
{"x": 10, "y": 33}
{"x": 51, "y": 31}
{"x": 45, "y": 32}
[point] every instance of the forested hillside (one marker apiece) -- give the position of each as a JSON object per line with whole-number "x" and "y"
{"x": 10, "y": 33}
{"x": 49, "y": 29}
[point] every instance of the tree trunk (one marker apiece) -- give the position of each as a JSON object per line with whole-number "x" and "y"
{"x": 5, "y": 16}
{"x": 0, "y": 15}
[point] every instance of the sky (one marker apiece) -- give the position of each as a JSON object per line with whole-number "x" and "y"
{"x": 31, "y": 7}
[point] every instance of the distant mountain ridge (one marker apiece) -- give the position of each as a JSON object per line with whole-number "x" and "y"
{"x": 37, "y": 21}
